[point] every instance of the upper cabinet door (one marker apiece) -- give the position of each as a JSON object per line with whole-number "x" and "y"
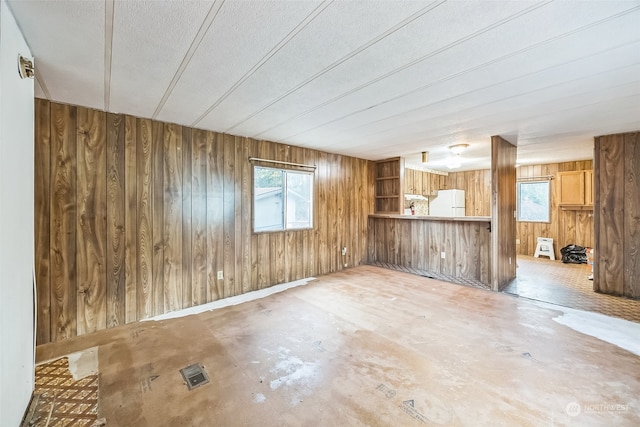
{"x": 588, "y": 187}
{"x": 572, "y": 187}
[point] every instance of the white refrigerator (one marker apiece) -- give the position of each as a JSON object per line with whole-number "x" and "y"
{"x": 447, "y": 203}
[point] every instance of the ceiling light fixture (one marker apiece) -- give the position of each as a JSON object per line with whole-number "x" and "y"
{"x": 458, "y": 148}
{"x": 425, "y": 156}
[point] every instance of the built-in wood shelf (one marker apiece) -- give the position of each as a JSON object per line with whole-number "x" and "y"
{"x": 389, "y": 175}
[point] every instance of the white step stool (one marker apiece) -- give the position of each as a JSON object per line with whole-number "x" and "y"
{"x": 545, "y": 248}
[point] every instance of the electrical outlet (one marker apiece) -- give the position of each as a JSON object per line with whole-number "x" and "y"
{"x": 517, "y": 241}
{"x": 509, "y": 260}
{"x": 442, "y": 255}
{"x": 220, "y": 276}
{"x": 344, "y": 251}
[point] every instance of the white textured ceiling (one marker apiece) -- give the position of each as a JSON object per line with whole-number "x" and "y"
{"x": 366, "y": 78}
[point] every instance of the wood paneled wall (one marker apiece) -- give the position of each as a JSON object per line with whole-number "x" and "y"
{"x": 617, "y": 214}
{"x": 503, "y": 206}
{"x": 417, "y": 243}
{"x": 477, "y": 189}
{"x": 565, "y": 226}
{"x": 135, "y": 218}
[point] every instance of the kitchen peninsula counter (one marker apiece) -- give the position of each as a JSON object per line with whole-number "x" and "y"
{"x": 452, "y": 248}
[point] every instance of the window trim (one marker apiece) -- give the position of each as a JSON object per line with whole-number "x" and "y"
{"x": 518, "y": 204}
{"x": 285, "y": 171}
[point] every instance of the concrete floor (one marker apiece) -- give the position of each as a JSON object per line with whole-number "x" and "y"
{"x": 366, "y": 346}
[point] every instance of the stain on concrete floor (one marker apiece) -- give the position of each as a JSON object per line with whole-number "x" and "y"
{"x": 366, "y": 346}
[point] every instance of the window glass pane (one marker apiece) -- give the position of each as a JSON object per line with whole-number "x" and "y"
{"x": 268, "y": 190}
{"x": 299, "y": 199}
{"x": 282, "y": 199}
{"x": 533, "y": 201}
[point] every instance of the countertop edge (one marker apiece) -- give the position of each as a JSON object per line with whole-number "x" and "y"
{"x": 434, "y": 218}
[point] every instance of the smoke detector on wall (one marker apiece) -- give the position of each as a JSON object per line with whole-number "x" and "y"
{"x": 25, "y": 67}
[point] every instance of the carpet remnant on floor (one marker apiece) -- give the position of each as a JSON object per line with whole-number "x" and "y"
{"x": 62, "y": 401}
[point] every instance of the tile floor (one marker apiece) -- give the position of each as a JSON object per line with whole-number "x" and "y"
{"x": 567, "y": 285}
{"x": 549, "y": 281}
{"x": 60, "y": 400}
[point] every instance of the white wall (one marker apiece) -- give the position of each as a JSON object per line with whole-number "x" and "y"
{"x": 16, "y": 226}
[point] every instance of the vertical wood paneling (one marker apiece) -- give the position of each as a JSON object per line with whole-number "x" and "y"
{"x": 157, "y": 228}
{"x": 116, "y": 287}
{"x": 91, "y": 228}
{"x": 215, "y": 218}
{"x": 229, "y": 218}
{"x": 172, "y": 217}
{"x": 238, "y": 252}
{"x": 187, "y": 219}
{"x": 419, "y": 243}
{"x": 323, "y": 262}
{"x": 610, "y": 201}
{"x": 566, "y": 226}
{"x": 246, "y": 263}
{"x": 131, "y": 220}
{"x": 62, "y": 224}
{"x": 42, "y": 183}
{"x": 152, "y": 211}
{"x": 617, "y": 214}
{"x": 503, "y": 206}
{"x": 199, "y": 285}
{"x": 311, "y": 240}
{"x": 631, "y": 235}
{"x": 145, "y": 219}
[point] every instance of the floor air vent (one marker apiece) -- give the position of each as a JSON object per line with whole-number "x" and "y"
{"x": 194, "y": 375}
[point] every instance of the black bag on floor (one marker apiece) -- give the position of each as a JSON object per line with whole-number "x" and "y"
{"x": 574, "y": 254}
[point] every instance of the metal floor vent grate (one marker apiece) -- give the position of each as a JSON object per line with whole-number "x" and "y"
{"x": 194, "y": 375}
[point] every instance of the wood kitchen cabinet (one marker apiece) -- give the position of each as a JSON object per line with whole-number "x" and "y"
{"x": 413, "y": 181}
{"x": 588, "y": 188}
{"x": 408, "y": 181}
{"x": 575, "y": 189}
{"x": 423, "y": 183}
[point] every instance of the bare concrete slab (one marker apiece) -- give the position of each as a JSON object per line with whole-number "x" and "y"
{"x": 366, "y": 346}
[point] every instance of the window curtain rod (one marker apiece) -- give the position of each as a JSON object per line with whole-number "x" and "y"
{"x": 536, "y": 178}
{"x": 302, "y": 165}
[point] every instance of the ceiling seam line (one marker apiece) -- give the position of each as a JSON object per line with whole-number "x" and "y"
{"x": 109, "y": 13}
{"x": 290, "y": 36}
{"x": 444, "y": 116}
{"x": 344, "y": 59}
{"x": 413, "y": 110}
{"x": 417, "y": 61}
{"x": 496, "y": 60}
{"x": 40, "y": 80}
{"x": 195, "y": 44}
{"x": 484, "y": 118}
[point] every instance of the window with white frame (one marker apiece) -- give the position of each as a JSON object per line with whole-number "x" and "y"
{"x": 282, "y": 199}
{"x": 533, "y": 201}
